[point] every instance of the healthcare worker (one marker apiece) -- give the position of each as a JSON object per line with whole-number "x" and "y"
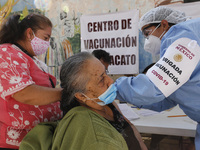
{"x": 175, "y": 78}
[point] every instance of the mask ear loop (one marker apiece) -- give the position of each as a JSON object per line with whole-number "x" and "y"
{"x": 34, "y": 34}
{"x": 162, "y": 34}
{"x": 88, "y": 97}
{"x": 100, "y": 103}
{"x": 155, "y": 29}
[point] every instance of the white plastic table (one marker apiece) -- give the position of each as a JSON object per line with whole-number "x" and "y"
{"x": 161, "y": 124}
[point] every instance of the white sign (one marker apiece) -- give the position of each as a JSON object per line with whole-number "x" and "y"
{"x": 176, "y": 65}
{"x": 116, "y": 33}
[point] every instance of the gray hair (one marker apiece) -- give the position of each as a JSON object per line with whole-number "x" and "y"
{"x": 73, "y": 79}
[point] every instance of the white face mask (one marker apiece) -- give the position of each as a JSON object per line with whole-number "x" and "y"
{"x": 152, "y": 43}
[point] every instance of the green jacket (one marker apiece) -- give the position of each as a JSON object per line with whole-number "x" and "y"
{"x": 80, "y": 129}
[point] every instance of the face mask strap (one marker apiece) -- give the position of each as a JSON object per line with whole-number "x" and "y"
{"x": 34, "y": 34}
{"x": 88, "y": 97}
{"x": 100, "y": 103}
{"x": 154, "y": 30}
{"x": 162, "y": 34}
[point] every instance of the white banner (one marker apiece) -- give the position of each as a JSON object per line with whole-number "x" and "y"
{"x": 116, "y": 33}
{"x": 190, "y": 9}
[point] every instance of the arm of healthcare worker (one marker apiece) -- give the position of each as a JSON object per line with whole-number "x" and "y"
{"x": 161, "y": 106}
{"x": 38, "y": 95}
{"x": 138, "y": 90}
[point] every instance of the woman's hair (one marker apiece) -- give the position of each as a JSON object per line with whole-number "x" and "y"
{"x": 13, "y": 29}
{"x": 73, "y": 77}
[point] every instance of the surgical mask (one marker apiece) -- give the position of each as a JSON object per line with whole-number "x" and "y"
{"x": 39, "y": 46}
{"x": 107, "y": 97}
{"x": 152, "y": 43}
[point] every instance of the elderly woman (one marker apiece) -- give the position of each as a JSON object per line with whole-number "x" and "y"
{"x": 89, "y": 123}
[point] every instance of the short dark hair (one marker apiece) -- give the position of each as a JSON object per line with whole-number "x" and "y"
{"x": 102, "y": 54}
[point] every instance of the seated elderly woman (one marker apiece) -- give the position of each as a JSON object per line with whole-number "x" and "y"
{"x": 91, "y": 119}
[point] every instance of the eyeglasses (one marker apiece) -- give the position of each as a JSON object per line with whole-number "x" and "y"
{"x": 146, "y": 32}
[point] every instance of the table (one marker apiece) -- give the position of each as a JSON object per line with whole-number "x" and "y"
{"x": 161, "y": 124}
